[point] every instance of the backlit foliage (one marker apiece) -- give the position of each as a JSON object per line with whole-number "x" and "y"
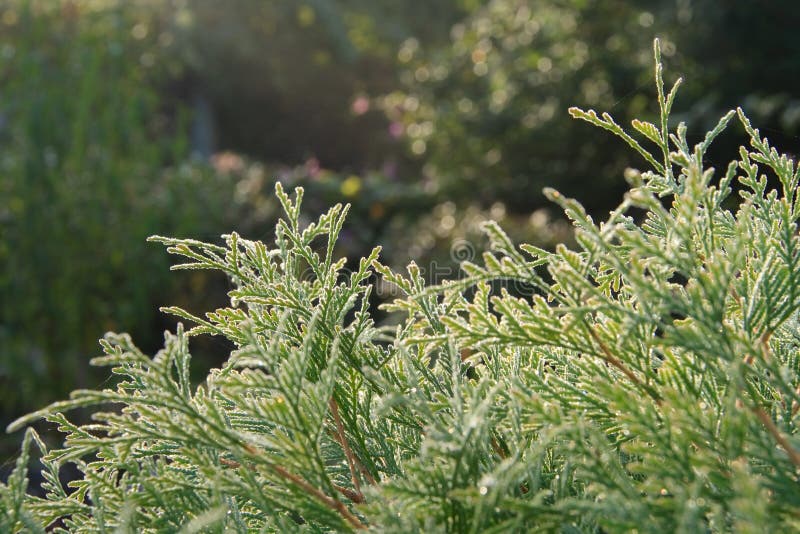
{"x": 648, "y": 381}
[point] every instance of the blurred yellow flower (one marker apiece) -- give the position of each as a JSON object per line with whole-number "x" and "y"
{"x": 351, "y": 186}
{"x": 306, "y": 16}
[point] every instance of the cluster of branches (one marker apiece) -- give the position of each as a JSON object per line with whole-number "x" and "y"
{"x": 651, "y": 381}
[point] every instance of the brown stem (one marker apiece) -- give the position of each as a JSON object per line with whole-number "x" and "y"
{"x": 330, "y": 502}
{"x": 763, "y": 347}
{"x": 335, "y": 504}
{"x": 230, "y": 463}
{"x": 767, "y": 421}
{"x": 498, "y": 450}
{"x": 352, "y": 461}
{"x": 616, "y": 362}
{"x": 795, "y": 404}
{"x": 765, "y": 343}
{"x": 355, "y": 496}
{"x": 345, "y": 445}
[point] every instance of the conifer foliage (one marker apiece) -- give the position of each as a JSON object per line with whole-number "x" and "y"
{"x": 646, "y": 380}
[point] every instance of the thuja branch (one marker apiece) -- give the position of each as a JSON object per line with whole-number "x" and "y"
{"x": 335, "y": 504}
{"x": 609, "y": 357}
{"x": 330, "y": 502}
{"x": 762, "y": 415}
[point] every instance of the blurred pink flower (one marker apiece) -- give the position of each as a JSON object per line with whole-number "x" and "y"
{"x": 360, "y": 105}
{"x": 396, "y": 130}
{"x": 227, "y": 162}
{"x": 312, "y": 167}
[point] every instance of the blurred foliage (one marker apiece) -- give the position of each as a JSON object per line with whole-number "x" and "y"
{"x": 744, "y": 53}
{"x": 283, "y": 77}
{"x": 404, "y": 217}
{"x": 487, "y": 114}
{"x": 80, "y": 168}
{"x": 93, "y": 160}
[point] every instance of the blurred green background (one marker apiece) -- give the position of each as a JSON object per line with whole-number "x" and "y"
{"x": 122, "y": 119}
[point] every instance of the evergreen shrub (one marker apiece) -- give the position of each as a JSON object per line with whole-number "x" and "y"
{"x": 648, "y": 381}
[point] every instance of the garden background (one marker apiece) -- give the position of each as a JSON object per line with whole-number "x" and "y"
{"x": 123, "y": 119}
